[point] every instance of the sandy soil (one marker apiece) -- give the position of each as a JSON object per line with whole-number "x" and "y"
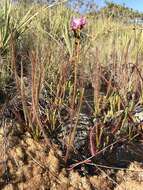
{"x": 32, "y": 166}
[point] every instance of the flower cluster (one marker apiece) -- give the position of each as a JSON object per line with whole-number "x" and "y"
{"x": 78, "y": 23}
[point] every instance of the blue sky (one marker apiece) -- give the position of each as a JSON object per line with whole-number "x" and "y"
{"x": 135, "y": 4}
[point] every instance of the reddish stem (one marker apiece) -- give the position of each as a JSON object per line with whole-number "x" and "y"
{"x": 93, "y": 149}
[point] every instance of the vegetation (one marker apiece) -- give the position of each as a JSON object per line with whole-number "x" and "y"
{"x": 120, "y": 11}
{"x": 51, "y": 75}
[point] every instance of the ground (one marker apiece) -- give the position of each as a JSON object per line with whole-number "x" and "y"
{"x": 32, "y": 166}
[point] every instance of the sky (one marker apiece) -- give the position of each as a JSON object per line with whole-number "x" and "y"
{"x": 135, "y": 4}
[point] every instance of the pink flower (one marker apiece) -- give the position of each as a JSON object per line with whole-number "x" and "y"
{"x": 78, "y": 23}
